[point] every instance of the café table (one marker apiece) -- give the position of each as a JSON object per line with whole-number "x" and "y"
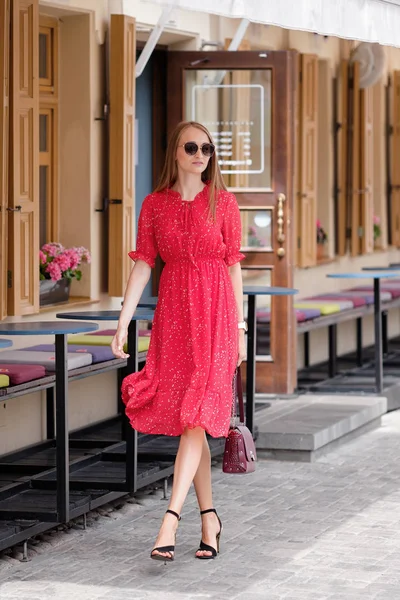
{"x": 376, "y": 276}
{"x": 129, "y": 434}
{"x": 252, "y": 291}
{"x": 60, "y": 330}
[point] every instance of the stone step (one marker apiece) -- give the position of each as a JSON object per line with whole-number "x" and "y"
{"x": 309, "y": 426}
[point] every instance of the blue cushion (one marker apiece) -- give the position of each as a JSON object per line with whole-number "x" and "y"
{"x": 99, "y": 353}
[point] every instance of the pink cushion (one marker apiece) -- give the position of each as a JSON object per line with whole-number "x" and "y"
{"x": 22, "y": 373}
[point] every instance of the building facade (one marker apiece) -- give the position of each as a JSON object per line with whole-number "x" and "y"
{"x": 302, "y": 136}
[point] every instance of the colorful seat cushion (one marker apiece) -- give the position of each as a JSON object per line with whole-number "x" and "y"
{"x": 355, "y": 300}
{"x": 22, "y": 373}
{"x": 99, "y": 353}
{"x": 311, "y": 313}
{"x": 325, "y": 308}
{"x": 367, "y": 296}
{"x": 342, "y": 304}
{"x": 105, "y": 340}
{"x": 4, "y": 381}
{"x": 264, "y": 316}
{"x": 47, "y": 359}
{"x": 112, "y": 332}
{"x": 385, "y": 296}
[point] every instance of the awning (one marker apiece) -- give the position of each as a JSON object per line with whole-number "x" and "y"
{"x": 366, "y": 20}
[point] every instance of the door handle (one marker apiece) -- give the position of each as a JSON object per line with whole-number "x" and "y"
{"x": 281, "y": 234}
{"x": 16, "y": 209}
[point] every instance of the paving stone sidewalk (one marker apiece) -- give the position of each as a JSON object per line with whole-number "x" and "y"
{"x": 328, "y": 530}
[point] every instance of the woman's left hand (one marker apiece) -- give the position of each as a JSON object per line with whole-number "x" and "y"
{"x": 242, "y": 347}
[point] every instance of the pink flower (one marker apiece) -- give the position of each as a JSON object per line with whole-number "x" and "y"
{"x": 42, "y": 257}
{"x": 377, "y": 220}
{"x": 318, "y": 223}
{"x": 54, "y": 271}
{"x": 52, "y": 249}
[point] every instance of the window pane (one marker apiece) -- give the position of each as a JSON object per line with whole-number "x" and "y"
{"x": 43, "y": 124}
{"x": 235, "y": 106}
{"x": 43, "y": 49}
{"x": 256, "y": 229}
{"x": 43, "y": 200}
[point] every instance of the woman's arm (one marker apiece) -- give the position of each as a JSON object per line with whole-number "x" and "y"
{"x": 235, "y": 272}
{"x": 138, "y": 280}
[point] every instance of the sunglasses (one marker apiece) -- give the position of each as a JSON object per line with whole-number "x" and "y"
{"x": 191, "y": 148}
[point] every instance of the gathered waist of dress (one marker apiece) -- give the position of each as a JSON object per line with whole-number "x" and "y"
{"x": 193, "y": 259}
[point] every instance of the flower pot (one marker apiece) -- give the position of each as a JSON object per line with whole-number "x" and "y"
{"x": 54, "y": 292}
{"x": 320, "y": 251}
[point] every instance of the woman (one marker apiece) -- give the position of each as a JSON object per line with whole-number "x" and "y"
{"x": 197, "y": 340}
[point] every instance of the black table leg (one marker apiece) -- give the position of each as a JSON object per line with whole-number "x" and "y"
{"x": 251, "y": 361}
{"x": 359, "y": 342}
{"x": 385, "y": 340}
{"x": 130, "y": 433}
{"x": 50, "y": 433}
{"x": 62, "y": 442}
{"x": 306, "y": 349}
{"x": 332, "y": 333}
{"x": 378, "y": 337}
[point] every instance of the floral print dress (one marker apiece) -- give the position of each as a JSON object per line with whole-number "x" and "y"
{"x": 193, "y": 352}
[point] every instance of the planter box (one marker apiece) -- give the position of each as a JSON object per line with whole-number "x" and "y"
{"x": 54, "y": 292}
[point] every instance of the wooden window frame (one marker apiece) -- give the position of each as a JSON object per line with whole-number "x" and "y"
{"x": 49, "y": 104}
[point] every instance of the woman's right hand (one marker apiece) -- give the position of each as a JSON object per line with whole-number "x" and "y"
{"x": 118, "y": 342}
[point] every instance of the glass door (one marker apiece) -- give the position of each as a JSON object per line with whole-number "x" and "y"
{"x": 246, "y": 100}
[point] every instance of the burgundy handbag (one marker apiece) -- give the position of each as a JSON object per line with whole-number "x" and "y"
{"x": 240, "y": 451}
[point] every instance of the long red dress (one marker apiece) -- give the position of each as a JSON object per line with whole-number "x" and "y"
{"x": 187, "y": 379}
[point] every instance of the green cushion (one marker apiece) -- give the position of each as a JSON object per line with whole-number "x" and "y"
{"x": 326, "y": 309}
{"x": 105, "y": 340}
{"x": 4, "y": 381}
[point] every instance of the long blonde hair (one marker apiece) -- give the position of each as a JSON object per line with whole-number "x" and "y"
{"x": 212, "y": 173}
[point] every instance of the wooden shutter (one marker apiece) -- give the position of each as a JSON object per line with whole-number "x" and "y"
{"x": 23, "y": 292}
{"x": 308, "y": 160}
{"x": 342, "y": 133}
{"x": 367, "y": 171}
{"x": 354, "y": 160}
{"x": 4, "y": 141}
{"x": 395, "y": 161}
{"x": 122, "y": 163}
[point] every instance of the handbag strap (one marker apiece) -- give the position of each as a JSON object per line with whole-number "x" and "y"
{"x": 238, "y": 396}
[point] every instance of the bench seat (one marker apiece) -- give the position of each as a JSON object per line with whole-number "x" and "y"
{"x": 355, "y": 300}
{"x": 22, "y": 373}
{"x": 47, "y": 359}
{"x": 105, "y": 340}
{"x": 98, "y": 353}
{"x": 328, "y": 308}
{"x": 385, "y": 295}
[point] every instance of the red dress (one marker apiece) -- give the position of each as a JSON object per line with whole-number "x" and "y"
{"x": 187, "y": 379}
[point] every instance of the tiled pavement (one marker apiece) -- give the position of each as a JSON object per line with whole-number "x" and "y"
{"x": 293, "y": 531}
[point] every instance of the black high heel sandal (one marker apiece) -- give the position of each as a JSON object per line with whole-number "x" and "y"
{"x": 205, "y": 547}
{"x": 170, "y": 549}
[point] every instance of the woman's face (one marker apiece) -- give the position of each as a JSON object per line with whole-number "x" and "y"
{"x": 197, "y": 163}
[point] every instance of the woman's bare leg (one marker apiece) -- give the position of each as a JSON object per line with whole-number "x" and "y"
{"x": 186, "y": 465}
{"x": 203, "y": 487}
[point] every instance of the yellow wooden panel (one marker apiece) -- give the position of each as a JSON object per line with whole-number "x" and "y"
{"x": 23, "y": 249}
{"x": 342, "y": 140}
{"x": 367, "y": 171}
{"x": 395, "y": 160}
{"x": 122, "y": 163}
{"x": 355, "y": 181}
{"x": 4, "y": 143}
{"x": 308, "y": 160}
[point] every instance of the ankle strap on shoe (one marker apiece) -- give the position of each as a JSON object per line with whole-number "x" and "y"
{"x": 203, "y": 512}
{"x": 172, "y": 512}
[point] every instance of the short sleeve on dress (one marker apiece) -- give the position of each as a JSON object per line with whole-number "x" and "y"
{"x": 146, "y": 246}
{"x": 232, "y": 232}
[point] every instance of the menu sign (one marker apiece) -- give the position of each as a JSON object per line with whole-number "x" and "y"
{"x": 239, "y": 142}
